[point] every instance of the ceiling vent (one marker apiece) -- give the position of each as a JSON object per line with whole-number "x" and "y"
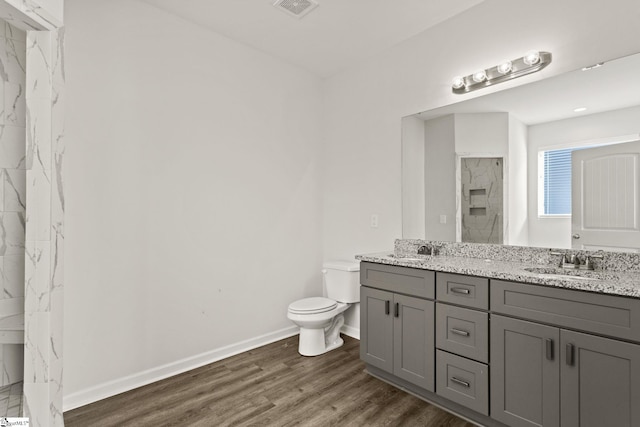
{"x": 297, "y": 8}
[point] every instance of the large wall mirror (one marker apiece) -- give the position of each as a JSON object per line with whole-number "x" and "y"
{"x": 554, "y": 163}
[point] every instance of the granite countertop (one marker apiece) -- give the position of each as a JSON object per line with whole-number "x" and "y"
{"x": 624, "y": 283}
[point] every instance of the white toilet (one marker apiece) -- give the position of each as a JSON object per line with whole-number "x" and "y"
{"x": 320, "y": 319}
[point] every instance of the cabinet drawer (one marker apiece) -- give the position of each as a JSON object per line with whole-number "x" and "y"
{"x": 469, "y": 291}
{"x": 404, "y": 280}
{"x": 463, "y": 331}
{"x": 595, "y": 313}
{"x": 463, "y": 381}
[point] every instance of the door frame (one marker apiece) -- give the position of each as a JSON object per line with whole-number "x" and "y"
{"x": 505, "y": 192}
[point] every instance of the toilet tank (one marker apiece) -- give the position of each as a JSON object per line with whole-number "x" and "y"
{"x": 342, "y": 280}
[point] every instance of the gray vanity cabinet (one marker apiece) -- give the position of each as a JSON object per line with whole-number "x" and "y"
{"x": 525, "y": 374}
{"x": 600, "y": 381}
{"x": 376, "y": 328}
{"x": 550, "y": 376}
{"x": 506, "y": 353}
{"x": 413, "y": 340}
{"x": 396, "y": 321}
{"x": 396, "y": 335}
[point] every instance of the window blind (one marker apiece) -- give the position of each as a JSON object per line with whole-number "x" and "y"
{"x": 557, "y": 182}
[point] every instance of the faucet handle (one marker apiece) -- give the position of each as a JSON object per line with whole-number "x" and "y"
{"x": 588, "y": 264}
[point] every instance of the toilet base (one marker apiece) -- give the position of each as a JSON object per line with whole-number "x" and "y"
{"x": 319, "y": 332}
{"x": 337, "y": 343}
{"x": 312, "y": 342}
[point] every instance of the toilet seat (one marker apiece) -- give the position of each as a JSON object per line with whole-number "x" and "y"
{"x": 312, "y": 305}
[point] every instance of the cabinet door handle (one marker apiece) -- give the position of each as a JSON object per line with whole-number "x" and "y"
{"x": 460, "y": 382}
{"x": 549, "y": 348}
{"x": 396, "y": 311}
{"x": 459, "y": 332}
{"x": 570, "y": 354}
{"x": 386, "y": 307}
{"x": 463, "y": 291}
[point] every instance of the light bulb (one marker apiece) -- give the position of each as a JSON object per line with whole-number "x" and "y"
{"x": 505, "y": 67}
{"x": 480, "y": 76}
{"x": 531, "y": 57}
{"x": 458, "y": 82}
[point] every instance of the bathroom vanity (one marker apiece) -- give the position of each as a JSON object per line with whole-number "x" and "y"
{"x": 503, "y": 337}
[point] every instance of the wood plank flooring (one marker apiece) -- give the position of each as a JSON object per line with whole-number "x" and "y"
{"x": 269, "y": 386}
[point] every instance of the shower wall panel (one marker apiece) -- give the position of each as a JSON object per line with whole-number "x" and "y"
{"x": 12, "y": 192}
{"x": 482, "y": 200}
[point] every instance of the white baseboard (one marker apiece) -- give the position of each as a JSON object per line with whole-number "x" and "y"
{"x": 350, "y": 331}
{"x": 111, "y": 388}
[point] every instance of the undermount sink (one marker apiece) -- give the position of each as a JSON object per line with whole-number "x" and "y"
{"x": 406, "y": 257}
{"x": 554, "y": 273}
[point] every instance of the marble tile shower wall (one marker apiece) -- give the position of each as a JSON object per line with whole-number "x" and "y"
{"x": 44, "y": 233}
{"x": 482, "y": 200}
{"x": 43, "y": 219}
{"x": 12, "y": 190}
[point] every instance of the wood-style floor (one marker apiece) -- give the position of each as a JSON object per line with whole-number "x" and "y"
{"x": 269, "y": 386}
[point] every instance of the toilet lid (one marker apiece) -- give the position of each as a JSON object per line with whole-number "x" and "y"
{"x": 312, "y": 305}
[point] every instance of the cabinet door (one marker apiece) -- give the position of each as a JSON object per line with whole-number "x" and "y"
{"x": 376, "y": 328}
{"x": 413, "y": 336}
{"x": 600, "y": 381}
{"x": 525, "y": 373}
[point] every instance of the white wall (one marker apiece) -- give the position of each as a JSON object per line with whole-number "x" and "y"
{"x": 440, "y": 178}
{"x": 556, "y": 232}
{"x": 193, "y": 193}
{"x": 364, "y": 104}
{"x": 482, "y": 133}
{"x": 517, "y": 184}
{"x": 413, "y": 183}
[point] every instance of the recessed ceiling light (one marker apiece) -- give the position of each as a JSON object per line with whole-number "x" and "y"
{"x": 580, "y": 109}
{"x": 591, "y": 67}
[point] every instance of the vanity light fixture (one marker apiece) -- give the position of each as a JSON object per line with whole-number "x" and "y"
{"x": 580, "y": 109}
{"x": 531, "y": 62}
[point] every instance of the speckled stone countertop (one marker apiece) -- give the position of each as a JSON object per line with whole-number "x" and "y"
{"x": 519, "y": 264}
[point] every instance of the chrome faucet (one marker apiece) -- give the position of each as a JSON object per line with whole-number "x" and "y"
{"x": 425, "y": 250}
{"x": 572, "y": 261}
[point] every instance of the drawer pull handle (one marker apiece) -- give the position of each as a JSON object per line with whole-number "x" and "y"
{"x": 570, "y": 354}
{"x": 397, "y": 310}
{"x": 386, "y": 307}
{"x": 549, "y": 348}
{"x": 459, "y": 332}
{"x": 460, "y": 291}
{"x": 460, "y": 382}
